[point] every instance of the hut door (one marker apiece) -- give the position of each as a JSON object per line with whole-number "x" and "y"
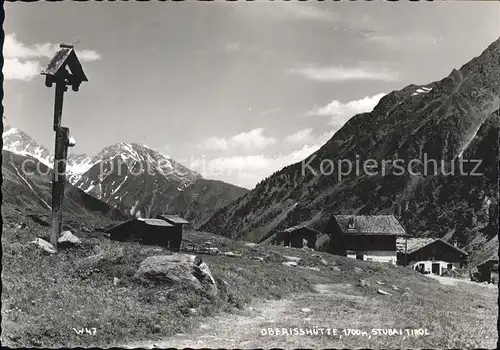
{"x": 360, "y": 257}
{"x": 435, "y": 268}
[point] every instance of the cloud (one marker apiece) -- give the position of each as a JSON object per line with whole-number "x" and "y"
{"x": 251, "y": 140}
{"x": 21, "y": 60}
{"x": 340, "y": 112}
{"x": 401, "y": 42}
{"x": 13, "y": 68}
{"x": 287, "y": 11}
{"x": 307, "y": 12}
{"x": 247, "y": 171}
{"x": 299, "y": 138}
{"x": 271, "y": 111}
{"x": 340, "y": 73}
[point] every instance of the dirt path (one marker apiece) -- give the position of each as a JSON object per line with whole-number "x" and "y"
{"x": 227, "y": 330}
{"x": 336, "y": 306}
{"x": 450, "y": 281}
{"x": 245, "y": 329}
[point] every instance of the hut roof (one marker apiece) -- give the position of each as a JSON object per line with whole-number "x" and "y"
{"x": 155, "y": 222}
{"x": 301, "y": 227}
{"x": 491, "y": 260}
{"x": 420, "y": 243}
{"x": 125, "y": 223}
{"x": 370, "y": 225}
{"x": 174, "y": 219}
{"x": 152, "y": 222}
{"x": 413, "y": 244}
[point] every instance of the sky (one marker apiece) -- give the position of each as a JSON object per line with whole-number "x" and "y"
{"x": 233, "y": 90}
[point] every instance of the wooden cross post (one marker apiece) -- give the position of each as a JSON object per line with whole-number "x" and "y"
{"x": 64, "y": 69}
{"x": 59, "y": 172}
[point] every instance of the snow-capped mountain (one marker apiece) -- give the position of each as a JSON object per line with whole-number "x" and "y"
{"x": 122, "y": 165}
{"x": 18, "y": 142}
{"x": 143, "y": 182}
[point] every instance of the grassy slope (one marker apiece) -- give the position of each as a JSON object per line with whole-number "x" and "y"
{"x": 44, "y": 297}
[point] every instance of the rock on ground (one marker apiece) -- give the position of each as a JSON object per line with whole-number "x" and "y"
{"x": 292, "y": 258}
{"x": 68, "y": 239}
{"x": 177, "y": 269}
{"x": 44, "y": 245}
{"x": 313, "y": 268}
{"x": 289, "y": 263}
{"x": 383, "y": 292}
{"x": 232, "y": 254}
{"x": 364, "y": 283}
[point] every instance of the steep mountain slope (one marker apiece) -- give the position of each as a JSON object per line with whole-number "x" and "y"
{"x": 143, "y": 182}
{"x": 27, "y": 185}
{"x": 448, "y": 120}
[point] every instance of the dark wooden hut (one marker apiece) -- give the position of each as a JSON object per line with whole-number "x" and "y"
{"x": 488, "y": 270}
{"x": 295, "y": 236}
{"x": 178, "y": 224}
{"x": 144, "y": 231}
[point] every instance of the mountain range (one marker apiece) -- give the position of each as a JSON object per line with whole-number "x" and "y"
{"x": 453, "y": 121}
{"x": 132, "y": 178}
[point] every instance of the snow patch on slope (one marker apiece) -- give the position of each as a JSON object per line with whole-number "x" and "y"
{"x": 421, "y": 90}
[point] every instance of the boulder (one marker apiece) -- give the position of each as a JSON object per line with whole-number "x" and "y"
{"x": 364, "y": 283}
{"x": 383, "y": 292}
{"x": 68, "y": 239}
{"x": 213, "y": 250}
{"x": 358, "y": 270}
{"x": 44, "y": 245}
{"x": 178, "y": 269}
{"x": 289, "y": 263}
{"x": 306, "y": 309}
{"x": 251, "y": 245}
{"x": 232, "y": 254}
{"x": 335, "y": 268}
{"x": 291, "y": 258}
{"x": 313, "y": 268}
